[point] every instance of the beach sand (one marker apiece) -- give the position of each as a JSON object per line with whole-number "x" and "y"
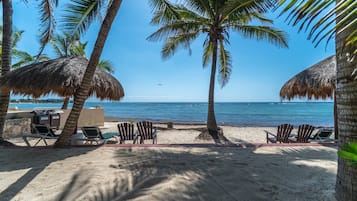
{"x": 171, "y": 173}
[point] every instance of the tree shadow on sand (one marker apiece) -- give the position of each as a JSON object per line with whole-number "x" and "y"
{"x": 32, "y": 161}
{"x": 215, "y": 173}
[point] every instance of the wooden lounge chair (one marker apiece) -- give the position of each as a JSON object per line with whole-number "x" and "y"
{"x": 323, "y": 134}
{"x": 282, "y": 135}
{"x": 42, "y": 132}
{"x": 146, "y": 132}
{"x": 126, "y": 132}
{"x": 304, "y": 133}
{"x": 93, "y": 134}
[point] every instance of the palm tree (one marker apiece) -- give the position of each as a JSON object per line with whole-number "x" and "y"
{"x": 183, "y": 23}
{"x": 5, "y": 60}
{"x": 48, "y": 24}
{"x": 21, "y": 58}
{"x": 339, "y": 22}
{"x": 79, "y": 21}
{"x": 65, "y": 45}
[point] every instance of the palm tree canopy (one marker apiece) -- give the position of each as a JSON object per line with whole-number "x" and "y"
{"x": 66, "y": 45}
{"x": 61, "y": 76}
{"x": 182, "y": 23}
{"x": 319, "y": 18}
{"x": 318, "y": 81}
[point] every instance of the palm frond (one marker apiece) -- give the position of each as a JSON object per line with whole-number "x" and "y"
{"x": 204, "y": 7}
{"x": 79, "y": 14}
{"x": 207, "y": 52}
{"x": 174, "y": 42}
{"x": 164, "y": 11}
{"x": 48, "y": 22}
{"x": 19, "y": 55}
{"x": 77, "y": 48}
{"x": 177, "y": 27}
{"x": 225, "y": 65}
{"x": 242, "y": 7}
{"x": 26, "y": 59}
{"x": 268, "y": 33}
{"x": 16, "y": 37}
{"x": 315, "y": 17}
{"x": 106, "y": 65}
{"x": 60, "y": 45}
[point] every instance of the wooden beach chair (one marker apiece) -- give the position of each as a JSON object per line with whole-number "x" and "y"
{"x": 126, "y": 132}
{"x": 93, "y": 134}
{"x": 42, "y": 132}
{"x": 304, "y": 133}
{"x": 146, "y": 132}
{"x": 282, "y": 135}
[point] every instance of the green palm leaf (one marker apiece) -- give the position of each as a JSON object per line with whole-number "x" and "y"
{"x": 48, "y": 22}
{"x": 267, "y": 33}
{"x": 314, "y": 16}
{"x": 106, "y": 65}
{"x": 225, "y": 65}
{"x": 79, "y": 14}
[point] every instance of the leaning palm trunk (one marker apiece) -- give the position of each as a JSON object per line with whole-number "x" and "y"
{"x": 346, "y": 97}
{"x": 6, "y": 60}
{"x": 211, "y": 118}
{"x": 65, "y": 103}
{"x": 82, "y": 93}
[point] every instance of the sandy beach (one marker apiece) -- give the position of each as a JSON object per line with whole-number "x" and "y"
{"x": 171, "y": 172}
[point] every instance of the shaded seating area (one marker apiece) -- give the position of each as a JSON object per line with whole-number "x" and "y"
{"x": 126, "y": 132}
{"x": 146, "y": 132}
{"x": 94, "y": 135}
{"x": 282, "y": 135}
{"x": 42, "y": 132}
{"x": 305, "y": 134}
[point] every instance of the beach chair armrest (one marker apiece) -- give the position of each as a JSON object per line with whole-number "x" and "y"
{"x": 268, "y": 134}
{"x": 136, "y": 136}
{"x": 154, "y": 132}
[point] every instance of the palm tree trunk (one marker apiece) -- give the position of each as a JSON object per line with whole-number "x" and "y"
{"x": 346, "y": 99}
{"x": 211, "y": 118}
{"x": 65, "y": 103}
{"x": 335, "y": 118}
{"x": 6, "y": 60}
{"x": 82, "y": 93}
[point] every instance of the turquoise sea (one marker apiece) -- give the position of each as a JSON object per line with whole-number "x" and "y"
{"x": 242, "y": 114}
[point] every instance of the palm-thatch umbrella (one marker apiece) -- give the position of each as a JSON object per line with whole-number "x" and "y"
{"x": 318, "y": 81}
{"x": 60, "y": 76}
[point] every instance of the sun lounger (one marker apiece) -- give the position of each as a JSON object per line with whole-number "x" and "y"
{"x": 146, "y": 132}
{"x": 126, "y": 132}
{"x": 323, "y": 134}
{"x": 93, "y": 134}
{"x": 42, "y": 132}
{"x": 282, "y": 135}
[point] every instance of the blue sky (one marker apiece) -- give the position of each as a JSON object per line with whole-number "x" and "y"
{"x": 259, "y": 68}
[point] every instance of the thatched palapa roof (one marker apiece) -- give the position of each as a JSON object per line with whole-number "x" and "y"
{"x": 317, "y": 81}
{"x": 60, "y": 76}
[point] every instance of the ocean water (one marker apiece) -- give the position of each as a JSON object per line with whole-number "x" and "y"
{"x": 242, "y": 114}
